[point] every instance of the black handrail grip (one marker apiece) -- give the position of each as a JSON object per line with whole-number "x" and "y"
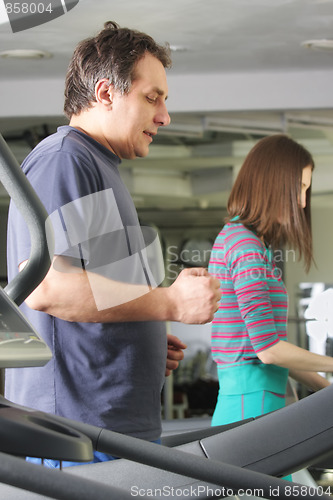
{"x": 36, "y": 218}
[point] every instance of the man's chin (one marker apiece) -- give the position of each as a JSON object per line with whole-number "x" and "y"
{"x": 142, "y": 154}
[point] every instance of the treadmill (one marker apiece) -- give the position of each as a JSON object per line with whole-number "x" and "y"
{"x": 243, "y": 459}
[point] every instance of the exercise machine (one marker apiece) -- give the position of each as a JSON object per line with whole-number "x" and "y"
{"x": 248, "y": 456}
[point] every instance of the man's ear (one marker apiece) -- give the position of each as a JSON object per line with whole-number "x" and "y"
{"x": 104, "y": 92}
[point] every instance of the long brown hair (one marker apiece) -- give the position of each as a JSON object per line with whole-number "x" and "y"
{"x": 113, "y": 54}
{"x": 266, "y": 195}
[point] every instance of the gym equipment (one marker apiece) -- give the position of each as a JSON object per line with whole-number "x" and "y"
{"x": 212, "y": 463}
{"x": 20, "y": 344}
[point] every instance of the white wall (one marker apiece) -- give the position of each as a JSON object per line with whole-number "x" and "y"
{"x": 193, "y": 93}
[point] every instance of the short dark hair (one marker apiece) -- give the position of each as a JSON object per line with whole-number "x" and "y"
{"x": 266, "y": 194}
{"x": 113, "y": 53}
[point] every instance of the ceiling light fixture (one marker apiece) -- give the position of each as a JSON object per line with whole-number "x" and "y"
{"x": 324, "y": 44}
{"x": 178, "y": 48}
{"x": 25, "y": 54}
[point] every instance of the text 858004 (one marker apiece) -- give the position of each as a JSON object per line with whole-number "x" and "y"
{"x": 28, "y": 8}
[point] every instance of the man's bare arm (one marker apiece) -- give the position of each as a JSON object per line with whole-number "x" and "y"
{"x": 72, "y": 294}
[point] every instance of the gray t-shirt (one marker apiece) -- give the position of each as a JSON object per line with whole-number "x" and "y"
{"x": 110, "y": 375}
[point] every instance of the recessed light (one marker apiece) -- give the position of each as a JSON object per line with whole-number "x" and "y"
{"x": 178, "y": 48}
{"x": 324, "y": 44}
{"x": 25, "y": 54}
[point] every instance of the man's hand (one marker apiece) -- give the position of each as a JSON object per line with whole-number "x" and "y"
{"x": 175, "y": 353}
{"x": 195, "y": 295}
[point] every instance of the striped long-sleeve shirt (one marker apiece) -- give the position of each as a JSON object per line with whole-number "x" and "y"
{"x": 252, "y": 315}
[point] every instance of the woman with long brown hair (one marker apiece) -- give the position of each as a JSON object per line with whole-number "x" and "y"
{"x": 268, "y": 209}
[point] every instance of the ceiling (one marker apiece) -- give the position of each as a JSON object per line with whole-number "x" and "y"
{"x": 240, "y": 71}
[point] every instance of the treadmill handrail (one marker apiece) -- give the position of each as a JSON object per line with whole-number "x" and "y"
{"x": 37, "y": 220}
{"x": 190, "y": 465}
{"x": 54, "y": 483}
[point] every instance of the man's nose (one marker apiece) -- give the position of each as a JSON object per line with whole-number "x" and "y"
{"x": 163, "y": 117}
